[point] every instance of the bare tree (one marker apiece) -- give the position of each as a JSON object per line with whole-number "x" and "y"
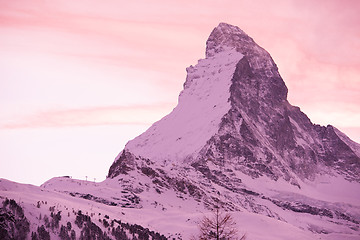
{"x": 220, "y": 226}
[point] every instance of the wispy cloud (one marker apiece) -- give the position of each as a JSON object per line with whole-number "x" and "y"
{"x": 314, "y": 43}
{"x": 110, "y": 115}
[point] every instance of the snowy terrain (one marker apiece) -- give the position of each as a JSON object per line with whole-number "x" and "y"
{"x": 234, "y": 142}
{"x": 174, "y": 216}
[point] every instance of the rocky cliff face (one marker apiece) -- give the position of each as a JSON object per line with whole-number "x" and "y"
{"x": 267, "y": 134}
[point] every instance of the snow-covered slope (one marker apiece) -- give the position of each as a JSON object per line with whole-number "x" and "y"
{"x": 176, "y": 216}
{"x": 165, "y": 213}
{"x": 202, "y": 104}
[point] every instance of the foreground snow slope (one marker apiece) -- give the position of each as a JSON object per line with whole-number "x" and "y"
{"x": 167, "y": 214}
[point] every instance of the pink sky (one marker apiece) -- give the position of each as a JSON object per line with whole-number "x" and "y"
{"x": 81, "y": 78}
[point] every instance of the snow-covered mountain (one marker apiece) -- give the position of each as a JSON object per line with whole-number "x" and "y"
{"x": 233, "y": 141}
{"x": 233, "y": 110}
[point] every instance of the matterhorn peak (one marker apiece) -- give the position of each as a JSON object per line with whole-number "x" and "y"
{"x": 234, "y": 110}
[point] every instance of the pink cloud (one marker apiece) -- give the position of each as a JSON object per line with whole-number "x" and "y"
{"x": 314, "y": 43}
{"x": 113, "y": 115}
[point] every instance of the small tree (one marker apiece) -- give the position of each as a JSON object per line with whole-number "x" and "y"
{"x": 220, "y": 226}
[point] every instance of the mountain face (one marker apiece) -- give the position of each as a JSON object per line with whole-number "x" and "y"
{"x": 233, "y": 142}
{"x": 234, "y": 111}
